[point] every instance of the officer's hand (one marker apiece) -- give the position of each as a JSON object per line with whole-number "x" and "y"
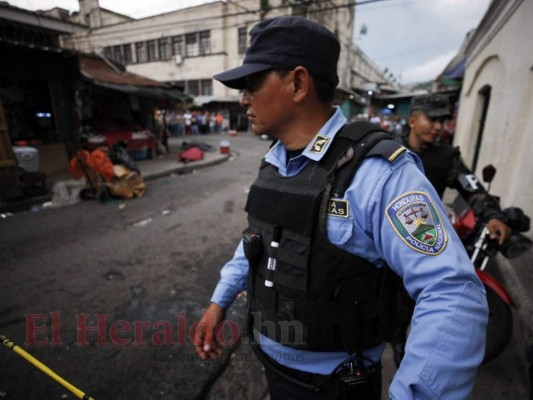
{"x": 205, "y": 341}
{"x": 498, "y": 230}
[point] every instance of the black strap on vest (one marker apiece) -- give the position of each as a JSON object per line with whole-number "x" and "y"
{"x": 365, "y": 136}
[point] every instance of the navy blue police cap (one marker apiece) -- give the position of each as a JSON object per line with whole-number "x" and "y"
{"x": 434, "y": 105}
{"x": 285, "y": 43}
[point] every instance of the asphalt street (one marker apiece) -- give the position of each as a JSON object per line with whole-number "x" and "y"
{"x": 106, "y": 293}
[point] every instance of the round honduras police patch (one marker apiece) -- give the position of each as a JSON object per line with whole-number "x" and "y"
{"x": 416, "y": 220}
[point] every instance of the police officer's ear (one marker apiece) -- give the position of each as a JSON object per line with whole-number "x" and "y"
{"x": 301, "y": 80}
{"x": 411, "y": 121}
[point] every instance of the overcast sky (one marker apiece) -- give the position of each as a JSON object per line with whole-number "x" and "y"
{"x": 413, "y": 39}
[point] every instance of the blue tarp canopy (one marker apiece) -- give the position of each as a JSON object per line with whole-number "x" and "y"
{"x": 455, "y": 70}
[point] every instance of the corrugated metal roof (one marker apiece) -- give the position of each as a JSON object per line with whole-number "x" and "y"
{"x": 105, "y": 74}
{"x": 96, "y": 68}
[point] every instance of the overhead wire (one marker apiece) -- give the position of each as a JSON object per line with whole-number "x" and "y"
{"x": 214, "y": 22}
{"x": 204, "y": 20}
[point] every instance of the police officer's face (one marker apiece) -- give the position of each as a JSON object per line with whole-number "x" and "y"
{"x": 266, "y": 98}
{"x": 425, "y": 130}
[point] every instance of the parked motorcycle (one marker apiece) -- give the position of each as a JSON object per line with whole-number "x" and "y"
{"x": 475, "y": 236}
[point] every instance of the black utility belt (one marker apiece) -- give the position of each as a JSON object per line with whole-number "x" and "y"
{"x": 351, "y": 374}
{"x": 347, "y": 372}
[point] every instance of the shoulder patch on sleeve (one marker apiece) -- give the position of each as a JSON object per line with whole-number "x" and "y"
{"x": 416, "y": 220}
{"x": 387, "y": 149}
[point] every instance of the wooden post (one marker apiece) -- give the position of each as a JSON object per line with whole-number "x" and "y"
{"x": 10, "y": 185}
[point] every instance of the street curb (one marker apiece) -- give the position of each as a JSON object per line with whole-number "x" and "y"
{"x": 185, "y": 168}
{"x": 24, "y": 205}
{"x": 27, "y": 204}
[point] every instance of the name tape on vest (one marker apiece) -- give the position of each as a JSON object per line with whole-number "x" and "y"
{"x": 338, "y": 208}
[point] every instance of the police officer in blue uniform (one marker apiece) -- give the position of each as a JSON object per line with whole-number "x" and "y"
{"x": 337, "y": 216}
{"x": 444, "y": 168}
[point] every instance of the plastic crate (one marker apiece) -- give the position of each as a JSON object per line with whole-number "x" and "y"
{"x": 138, "y": 155}
{"x": 27, "y": 158}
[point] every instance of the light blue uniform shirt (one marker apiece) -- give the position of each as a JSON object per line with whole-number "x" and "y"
{"x": 447, "y": 338}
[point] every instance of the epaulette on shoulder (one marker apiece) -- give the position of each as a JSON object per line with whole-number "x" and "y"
{"x": 387, "y": 149}
{"x": 372, "y": 141}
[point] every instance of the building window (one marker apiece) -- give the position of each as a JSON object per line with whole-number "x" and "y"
{"x": 117, "y": 54}
{"x": 193, "y": 88}
{"x": 151, "y": 51}
{"x": 207, "y": 87}
{"x": 205, "y": 42}
{"x": 191, "y": 45}
{"x": 180, "y": 84}
{"x": 140, "y": 52}
{"x": 163, "y": 49}
{"x": 108, "y": 53}
{"x": 202, "y": 87}
{"x": 177, "y": 45}
{"x": 243, "y": 40}
{"x": 126, "y": 50}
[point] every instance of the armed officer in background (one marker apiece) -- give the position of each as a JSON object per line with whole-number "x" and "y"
{"x": 336, "y": 214}
{"x": 444, "y": 168}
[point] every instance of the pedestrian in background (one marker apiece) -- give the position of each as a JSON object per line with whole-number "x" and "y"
{"x": 212, "y": 122}
{"x": 187, "y": 118}
{"x": 195, "y": 122}
{"x": 219, "y": 122}
{"x": 329, "y": 234}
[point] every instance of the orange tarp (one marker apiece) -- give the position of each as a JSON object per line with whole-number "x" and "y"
{"x": 97, "y": 160}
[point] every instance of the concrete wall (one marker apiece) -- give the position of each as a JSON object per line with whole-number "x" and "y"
{"x": 499, "y": 57}
{"x": 502, "y": 63}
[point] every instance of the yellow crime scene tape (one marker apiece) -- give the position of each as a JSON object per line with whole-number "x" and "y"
{"x": 32, "y": 360}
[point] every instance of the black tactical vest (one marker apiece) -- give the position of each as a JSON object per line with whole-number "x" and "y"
{"x": 438, "y": 162}
{"x": 323, "y": 298}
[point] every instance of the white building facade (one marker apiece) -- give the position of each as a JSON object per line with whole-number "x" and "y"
{"x": 495, "y": 122}
{"x": 188, "y": 46}
{"x": 495, "y": 126}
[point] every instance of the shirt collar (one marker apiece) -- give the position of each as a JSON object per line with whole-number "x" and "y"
{"x": 319, "y": 146}
{"x": 316, "y": 148}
